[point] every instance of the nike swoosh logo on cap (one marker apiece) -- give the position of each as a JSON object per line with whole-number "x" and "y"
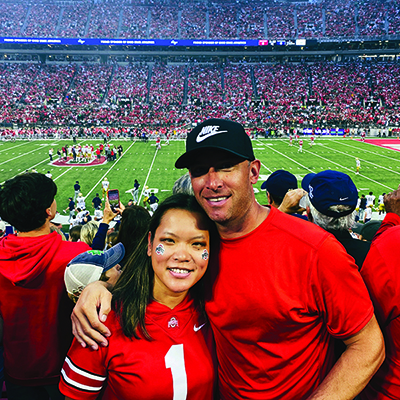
{"x": 343, "y": 199}
{"x": 197, "y": 328}
{"x": 208, "y": 131}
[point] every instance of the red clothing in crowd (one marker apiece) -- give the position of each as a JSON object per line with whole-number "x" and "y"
{"x": 277, "y": 301}
{"x": 381, "y": 275}
{"x": 177, "y": 364}
{"x": 35, "y": 307}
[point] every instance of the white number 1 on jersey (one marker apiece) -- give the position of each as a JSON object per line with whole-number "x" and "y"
{"x": 174, "y": 359}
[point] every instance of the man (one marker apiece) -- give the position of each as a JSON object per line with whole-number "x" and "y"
{"x": 331, "y": 202}
{"x": 71, "y": 208}
{"x": 370, "y": 199}
{"x": 135, "y": 192}
{"x": 279, "y": 288}
{"x": 362, "y": 207}
{"x": 153, "y": 201}
{"x": 80, "y": 202}
{"x": 146, "y": 194}
{"x": 96, "y": 202}
{"x": 49, "y": 175}
{"x": 391, "y": 202}
{"x": 381, "y": 204}
{"x": 105, "y": 186}
{"x": 380, "y": 273}
{"x": 279, "y": 186}
{"x": 33, "y": 302}
{"x": 358, "y": 165}
{"x": 158, "y": 142}
{"x": 300, "y": 146}
{"x": 77, "y": 189}
{"x": 98, "y": 214}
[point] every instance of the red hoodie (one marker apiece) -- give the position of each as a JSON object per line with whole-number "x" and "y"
{"x": 35, "y": 306}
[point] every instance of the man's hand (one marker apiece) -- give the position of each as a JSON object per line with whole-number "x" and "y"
{"x": 392, "y": 202}
{"x": 290, "y": 203}
{"x": 91, "y": 310}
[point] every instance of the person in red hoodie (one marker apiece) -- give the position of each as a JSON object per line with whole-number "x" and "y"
{"x": 33, "y": 301}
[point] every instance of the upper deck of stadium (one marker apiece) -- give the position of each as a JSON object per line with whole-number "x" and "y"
{"x": 217, "y": 19}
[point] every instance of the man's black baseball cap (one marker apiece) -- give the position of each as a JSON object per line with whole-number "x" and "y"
{"x": 219, "y": 134}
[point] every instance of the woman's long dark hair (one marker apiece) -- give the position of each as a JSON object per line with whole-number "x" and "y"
{"x": 134, "y": 224}
{"x": 134, "y": 289}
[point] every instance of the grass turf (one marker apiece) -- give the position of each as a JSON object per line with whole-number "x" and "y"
{"x": 380, "y": 166}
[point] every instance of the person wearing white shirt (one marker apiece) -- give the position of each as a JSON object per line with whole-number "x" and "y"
{"x": 370, "y": 199}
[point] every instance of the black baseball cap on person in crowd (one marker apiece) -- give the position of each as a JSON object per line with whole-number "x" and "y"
{"x": 369, "y": 229}
{"x": 331, "y": 188}
{"x": 279, "y": 183}
{"x": 221, "y": 134}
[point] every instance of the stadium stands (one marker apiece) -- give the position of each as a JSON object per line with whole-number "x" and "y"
{"x": 191, "y": 20}
{"x": 42, "y": 20}
{"x": 163, "y": 22}
{"x": 12, "y": 17}
{"x": 134, "y": 22}
{"x": 104, "y": 19}
{"x": 74, "y": 20}
{"x": 347, "y": 94}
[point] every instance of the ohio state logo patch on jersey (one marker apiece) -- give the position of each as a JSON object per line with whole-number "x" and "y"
{"x": 173, "y": 323}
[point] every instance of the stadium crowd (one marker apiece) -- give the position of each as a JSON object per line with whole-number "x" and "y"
{"x": 41, "y": 21}
{"x": 72, "y": 23}
{"x": 316, "y": 223}
{"x": 134, "y": 23}
{"x": 215, "y": 20}
{"x": 347, "y": 94}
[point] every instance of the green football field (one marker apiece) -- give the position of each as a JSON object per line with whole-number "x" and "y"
{"x": 380, "y": 166}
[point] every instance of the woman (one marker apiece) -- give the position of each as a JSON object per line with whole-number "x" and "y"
{"x": 161, "y": 346}
{"x": 135, "y": 192}
{"x": 88, "y": 232}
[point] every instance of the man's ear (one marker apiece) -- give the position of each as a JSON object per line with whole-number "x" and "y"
{"x": 255, "y": 167}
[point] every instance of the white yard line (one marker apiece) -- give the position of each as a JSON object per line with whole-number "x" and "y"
{"x": 19, "y": 173}
{"x": 147, "y": 177}
{"x": 373, "y": 152}
{"x": 366, "y": 161}
{"x": 348, "y": 169}
{"x": 22, "y": 144}
{"x": 291, "y": 159}
{"x": 22, "y": 155}
{"x": 59, "y": 176}
{"x": 101, "y": 179}
{"x": 33, "y": 166}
